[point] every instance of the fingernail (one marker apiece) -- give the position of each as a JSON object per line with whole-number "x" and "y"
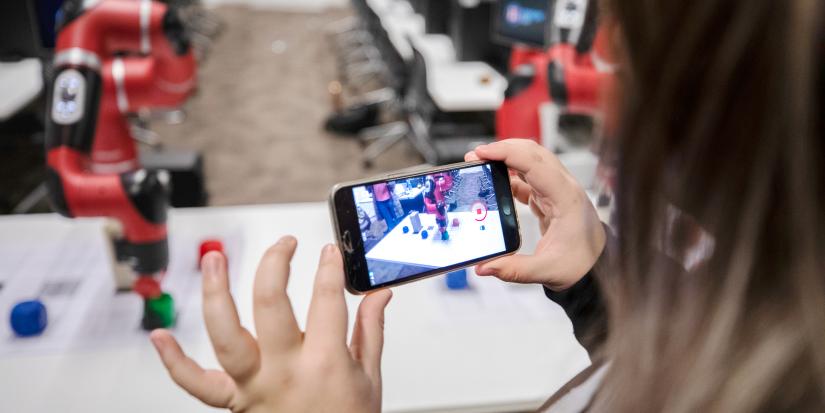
{"x": 155, "y": 342}
{"x": 484, "y": 270}
{"x": 327, "y": 251}
{"x": 210, "y": 266}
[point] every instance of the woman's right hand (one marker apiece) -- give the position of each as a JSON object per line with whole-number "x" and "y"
{"x": 572, "y": 234}
{"x": 284, "y": 369}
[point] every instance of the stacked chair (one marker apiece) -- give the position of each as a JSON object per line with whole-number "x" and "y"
{"x": 410, "y": 81}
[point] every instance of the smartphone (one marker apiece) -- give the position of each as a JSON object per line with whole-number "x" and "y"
{"x": 408, "y": 226}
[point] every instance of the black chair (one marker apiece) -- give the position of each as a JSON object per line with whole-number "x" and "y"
{"x": 470, "y": 29}
{"x": 397, "y": 72}
{"x": 441, "y": 137}
{"x": 382, "y": 137}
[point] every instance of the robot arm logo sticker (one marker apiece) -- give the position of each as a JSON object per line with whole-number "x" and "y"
{"x": 68, "y": 97}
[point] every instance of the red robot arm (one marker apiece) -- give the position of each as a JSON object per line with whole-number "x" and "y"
{"x": 566, "y": 74}
{"x": 115, "y": 58}
{"x": 430, "y": 206}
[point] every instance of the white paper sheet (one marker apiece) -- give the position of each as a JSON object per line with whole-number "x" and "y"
{"x": 70, "y": 273}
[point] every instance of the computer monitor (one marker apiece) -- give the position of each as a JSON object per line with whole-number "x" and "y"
{"x": 522, "y": 22}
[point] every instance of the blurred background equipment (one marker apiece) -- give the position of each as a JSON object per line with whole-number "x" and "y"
{"x": 447, "y": 77}
{"x": 557, "y": 78}
{"x": 409, "y": 80}
{"x": 438, "y": 97}
{"x": 27, "y": 40}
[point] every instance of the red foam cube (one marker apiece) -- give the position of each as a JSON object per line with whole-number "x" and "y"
{"x": 147, "y": 287}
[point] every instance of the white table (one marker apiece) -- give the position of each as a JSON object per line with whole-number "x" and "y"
{"x": 458, "y": 86}
{"x": 465, "y": 86}
{"x": 495, "y": 347}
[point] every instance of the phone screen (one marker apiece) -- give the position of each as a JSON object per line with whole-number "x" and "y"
{"x": 414, "y": 225}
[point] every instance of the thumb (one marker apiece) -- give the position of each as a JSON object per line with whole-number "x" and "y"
{"x": 517, "y": 268}
{"x": 368, "y": 333}
{"x": 471, "y": 156}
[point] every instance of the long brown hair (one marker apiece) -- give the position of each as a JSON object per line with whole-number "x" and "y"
{"x": 721, "y": 121}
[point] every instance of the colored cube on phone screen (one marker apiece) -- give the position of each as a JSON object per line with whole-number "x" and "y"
{"x": 424, "y": 234}
{"x": 415, "y": 221}
{"x": 406, "y": 229}
{"x": 455, "y": 222}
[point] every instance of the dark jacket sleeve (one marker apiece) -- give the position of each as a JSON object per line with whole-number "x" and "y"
{"x": 584, "y": 303}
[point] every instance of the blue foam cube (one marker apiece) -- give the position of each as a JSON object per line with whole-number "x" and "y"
{"x": 457, "y": 280}
{"x": 406, "y": 229}
{"x": 424, "y": 234}
{"x": 28, "y": 318}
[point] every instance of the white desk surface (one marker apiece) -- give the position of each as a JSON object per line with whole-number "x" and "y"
{"x": 454, "y": 86}
{"x": 467, "y": 241}
{"x": 465, "y": 86}
{"x": 494, "y": 347}
{"x": 20, "y": 83}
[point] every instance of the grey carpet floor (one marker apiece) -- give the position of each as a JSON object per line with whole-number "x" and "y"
{"x": 259, "y": 111}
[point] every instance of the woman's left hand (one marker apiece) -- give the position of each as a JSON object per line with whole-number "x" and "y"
{"x": 283, "y": 369}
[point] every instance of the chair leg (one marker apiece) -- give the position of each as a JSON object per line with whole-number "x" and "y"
{"x": 377, "y": 132}
{"x": 381, "y": 145}
{"x": 345, "y": 25}
{"x": 419, "y": 136}
{"x": 383, "y": 95}
{"x": 359, "y": 70}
